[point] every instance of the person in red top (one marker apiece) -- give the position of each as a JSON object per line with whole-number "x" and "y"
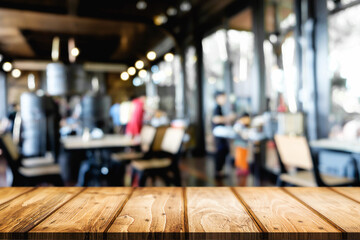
{"x": 135, "y": 123}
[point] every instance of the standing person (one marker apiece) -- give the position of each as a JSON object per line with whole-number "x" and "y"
{"x": 221, "y": 143}
{"x": 134, "y": 125}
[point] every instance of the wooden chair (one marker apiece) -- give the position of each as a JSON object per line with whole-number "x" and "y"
{"x": 300, "y": 168}
{"x": 163, "y": 162}
{"x": 147, "y": 136}
{"x": 29, "y": 171}
{"x": 121, "y": 159}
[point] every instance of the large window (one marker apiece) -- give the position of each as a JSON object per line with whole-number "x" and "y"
{"x": 344, "y": 58}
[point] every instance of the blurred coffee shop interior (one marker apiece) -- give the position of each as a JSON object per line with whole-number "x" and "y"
{"x": 179, "y": 92}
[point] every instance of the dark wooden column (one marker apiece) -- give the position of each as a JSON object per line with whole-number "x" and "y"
{"x": 312, "y": 49}
{"x": 258, "y": 96}
{"x": 200, "y": 125}
{"x": 321, "y": 65}
{"x": 3, "y": 95}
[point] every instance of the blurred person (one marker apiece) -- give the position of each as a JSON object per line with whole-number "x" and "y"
{"x": 221, "y": 143}
{"x": 282, "y": 105}
{"x": 135, "y": 123}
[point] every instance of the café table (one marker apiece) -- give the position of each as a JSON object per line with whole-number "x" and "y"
{"x": 96, "y": 166}
{"x": 179, "y": 213}
{"x": 337, "y": 145}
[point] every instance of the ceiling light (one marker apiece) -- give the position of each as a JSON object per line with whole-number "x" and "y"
{"x": 160, "y": 19}
{"x": 16, "y": 73}
{"x": 143, "y": 73}
{"x": 151, "y": 55}
{"x": 171, "y": 11}
{"x": 155, "y": 69}
{"x": 139, "y": 64}
{"x": 185, "y": 6}
{"x": 273, "y": 38}
{"x": 31, "y": 82}
{"x": 141, "y": 5}
{"x": 75, "y": 52}
{"x": 169, "y": 57}
{"x": 124, "y": 76}
{"x": 7, "y": 67}
{"x": 137, "y": 82}
{"x": 131, "y": 71}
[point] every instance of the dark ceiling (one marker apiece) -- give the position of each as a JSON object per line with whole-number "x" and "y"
{"x": 104, "y": 31}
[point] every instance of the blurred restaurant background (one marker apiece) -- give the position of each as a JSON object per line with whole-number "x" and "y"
{"x": 179, "y": 92}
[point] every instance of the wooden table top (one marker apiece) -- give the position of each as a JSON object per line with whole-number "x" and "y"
{"x": 108, "y": 141}
{"x": 179, "y": 213}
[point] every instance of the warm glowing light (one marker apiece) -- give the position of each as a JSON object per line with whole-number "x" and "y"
{"x": 169, "y": 57}
{"x": 151, "y": 55}
{"x": 131, "y": 71}
{"x": 160, "y": 19}
{"x": 7, "y": 67}
{"x": 55, "y": 49}
{"x": 16, "y": 73}
{"x": 139, "y": 64}
{"x": 143, "y": 73}
{"x": 75, "y": 52}
{"x": 124, "y": 76}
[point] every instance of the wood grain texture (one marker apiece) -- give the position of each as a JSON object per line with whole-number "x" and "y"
{"x": 151, "y": 213}
{"x": 350, "y": 192}
{"x": 21, "y": 214}
{"x": 340, "y": 210}
{"x": 216, "y": 213}
{"x": 283, "y": 216}
{"x": 85, "y": 217}
{"x": 9, "y": 193}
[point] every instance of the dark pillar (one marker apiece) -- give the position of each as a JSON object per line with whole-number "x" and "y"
{"x": 3, "y": 95}
{"x": 312, "y": 39}
{"x": 200, "y": 125}
{"x": 228, "y": 72}
{"x": 321, "y": 65}
{"x": 258, "y": 96}
{"x": 298, "y": 49}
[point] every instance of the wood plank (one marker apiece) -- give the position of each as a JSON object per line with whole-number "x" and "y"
{"x": 283, "y": 216}
{"x": 350, "y": 192}
{"x": 338, "y": 209}
{"x": 26, "y": 211}
{"x": 151, "y": 213}
{"x": 216, "y": 213}
{"x": 9, "y": 193}
{"x": 86, "y": 216}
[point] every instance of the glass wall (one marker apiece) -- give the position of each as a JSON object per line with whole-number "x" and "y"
{"x": 344, "y": 58}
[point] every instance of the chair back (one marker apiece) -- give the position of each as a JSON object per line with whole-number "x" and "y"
{"x": 172, "y": 140}
{"x": 147, "y": 137}
{"x": 294, "y": 151}
{"x": 9, "y": 148}
{"x": 159, "y": 135}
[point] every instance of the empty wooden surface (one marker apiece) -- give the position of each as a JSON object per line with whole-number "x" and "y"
{"x": 353, "y": 193}
{"x": 151, "y": 212}
{"x": 87, "y": 215}
{"x": 9, "y": 193}
{"x": 336, "y": 208}
{"x": 179, "y": 213}
{"x": 216, "y": 213}
{"x": 283, "y": 217}
{"x": 21, "y": 214}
